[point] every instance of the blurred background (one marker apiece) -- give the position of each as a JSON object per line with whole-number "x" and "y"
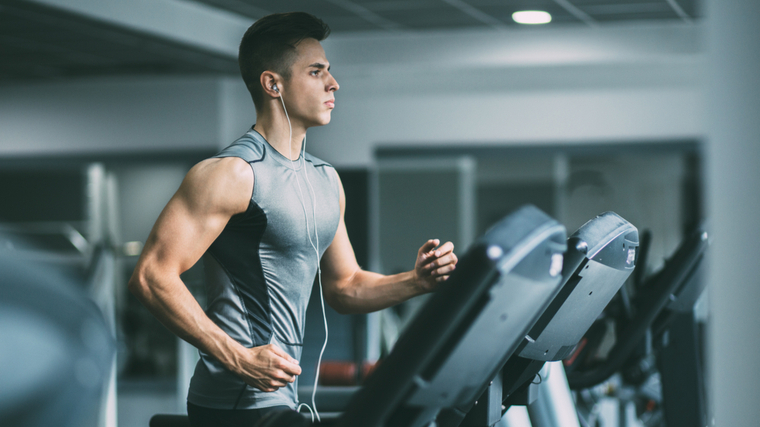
{"x": 449, "y": 115}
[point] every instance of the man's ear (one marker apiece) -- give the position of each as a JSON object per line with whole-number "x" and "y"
{"x": 269, "y": 81}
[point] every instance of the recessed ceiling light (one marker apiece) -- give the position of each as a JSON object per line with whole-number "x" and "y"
{"x": 532, "y": 17}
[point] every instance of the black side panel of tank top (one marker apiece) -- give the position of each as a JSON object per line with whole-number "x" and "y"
{"x": 237, "y": 252}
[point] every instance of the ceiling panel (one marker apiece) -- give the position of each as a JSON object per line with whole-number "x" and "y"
{"x": 43, "y": 43}
{"x": 258, "y": 8}
{"x": 638, "y": 10}
{"x": 428, "y": 16}
{"x": 338, "y": 17}
{"x": 636, "y": 16}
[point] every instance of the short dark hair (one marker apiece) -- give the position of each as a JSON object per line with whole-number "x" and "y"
{"x": 270, "y": 45}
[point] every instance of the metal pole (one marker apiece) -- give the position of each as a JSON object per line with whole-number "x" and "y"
{"x": 554, "y": 406}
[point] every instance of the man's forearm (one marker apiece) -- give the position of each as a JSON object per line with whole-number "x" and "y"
{"x": 365, "y": 292}
{"x": 175, "y": 307}
{"x": 265, "y": 367}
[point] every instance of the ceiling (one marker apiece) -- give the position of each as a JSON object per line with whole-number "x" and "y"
{"x": 43, "y": 42}
{"x": 367, "y": 15}
{"x": 38, "y": 42}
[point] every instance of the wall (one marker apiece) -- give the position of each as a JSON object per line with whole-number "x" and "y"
{"x": 527, "y": 86}
{"x": 113, "y": 115}
{"x": 523, "y": 86}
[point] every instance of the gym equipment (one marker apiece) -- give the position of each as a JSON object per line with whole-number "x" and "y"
{"x": 466, "y": 331}
{"x": 169, "y": 420}
{"x": 657, "y": 330}
{"x": 56, "y": 352}
{"x": 283, "y": 418}
{"x": 600, "y": 256}
{"x": 661, "y": 291}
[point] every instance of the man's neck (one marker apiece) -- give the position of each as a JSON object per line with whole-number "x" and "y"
{"x": 274, "y": 128}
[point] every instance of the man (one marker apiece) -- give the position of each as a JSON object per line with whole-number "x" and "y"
{"x": 262, "y": 214}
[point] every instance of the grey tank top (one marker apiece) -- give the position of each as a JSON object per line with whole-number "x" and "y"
{"x": 260, "y": 270}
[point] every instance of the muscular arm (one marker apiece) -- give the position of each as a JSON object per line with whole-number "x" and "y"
{"x": 349, "y": 289}
{"x": 211, "y": 193}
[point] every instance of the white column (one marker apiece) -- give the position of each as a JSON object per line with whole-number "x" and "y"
{"x": 733, "y": 184}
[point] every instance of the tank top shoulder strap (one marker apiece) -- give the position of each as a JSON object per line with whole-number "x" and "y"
{"x": 248, "y": 147}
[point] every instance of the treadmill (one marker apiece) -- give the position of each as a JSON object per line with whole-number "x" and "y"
{"x": 600, "y": 256}
{"x": 56, "y": 347}
{"x": 660, "y": 324}
{"x": 460, "y": 339}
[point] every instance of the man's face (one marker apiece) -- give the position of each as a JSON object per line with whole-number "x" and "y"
{"x": 309, "y": 92}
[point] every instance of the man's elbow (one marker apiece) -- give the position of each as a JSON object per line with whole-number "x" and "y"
{"x": 339, "y": 300}
{"x": 138, "y": 284}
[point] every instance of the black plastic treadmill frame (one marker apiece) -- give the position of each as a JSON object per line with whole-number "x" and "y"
{"x": 463, "y": 318}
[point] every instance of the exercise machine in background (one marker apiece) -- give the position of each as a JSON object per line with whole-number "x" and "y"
{"x": 600, "y": 256}
{"x": 57, "y": 349}
{"x": 656, "y": 357}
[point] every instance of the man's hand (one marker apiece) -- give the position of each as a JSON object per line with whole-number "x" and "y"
{"x": 268, "y": 367}
{"x": 434, "y": 264}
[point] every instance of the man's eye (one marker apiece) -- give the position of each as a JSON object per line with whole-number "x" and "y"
{"x": 315, "y": 72}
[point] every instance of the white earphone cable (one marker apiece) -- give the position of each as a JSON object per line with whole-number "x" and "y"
{"x": 315, "y": 247}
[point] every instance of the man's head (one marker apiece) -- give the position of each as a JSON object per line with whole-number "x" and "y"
{"x": 270, "y": 45}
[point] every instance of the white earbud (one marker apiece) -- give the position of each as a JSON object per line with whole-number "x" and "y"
{"x": 276, "y": 89}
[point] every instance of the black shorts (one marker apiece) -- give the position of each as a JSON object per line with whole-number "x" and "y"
{"x": 200, "y": 416}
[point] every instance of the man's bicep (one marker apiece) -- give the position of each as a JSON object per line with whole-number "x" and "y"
{"x": 339, "y": 262}
{"x": 182, "y": 234}
{"x": 195, "y": 216}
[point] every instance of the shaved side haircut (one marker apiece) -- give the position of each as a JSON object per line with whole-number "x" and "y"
{"x": 270, "y": 45}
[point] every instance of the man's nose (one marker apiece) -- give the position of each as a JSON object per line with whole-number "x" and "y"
{"x": 333, "y": 84}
